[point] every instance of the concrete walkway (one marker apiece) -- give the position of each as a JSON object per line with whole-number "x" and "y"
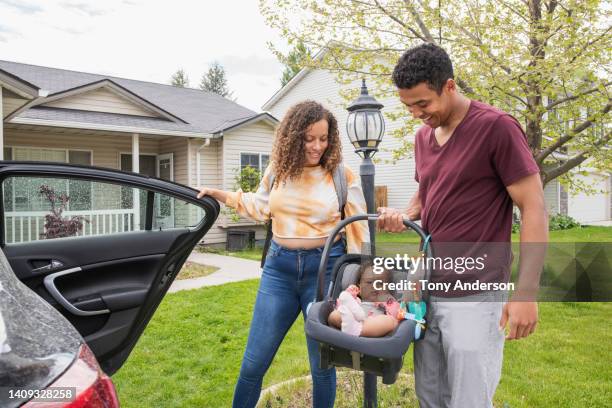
{"x": 231, "y": 269}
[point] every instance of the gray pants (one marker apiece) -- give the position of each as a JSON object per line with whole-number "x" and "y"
{"x": 458, "y": 362}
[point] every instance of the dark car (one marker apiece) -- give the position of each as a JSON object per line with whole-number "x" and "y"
{"x": 87, "y": 256}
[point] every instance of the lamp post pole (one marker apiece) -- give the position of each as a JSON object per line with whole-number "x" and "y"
{"x": 365, "y": 127}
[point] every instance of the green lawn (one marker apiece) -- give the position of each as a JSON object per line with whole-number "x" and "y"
{"x": 191, "y": 270}
{"x": 584, "y": 234}
{"x": 190, "y": 353}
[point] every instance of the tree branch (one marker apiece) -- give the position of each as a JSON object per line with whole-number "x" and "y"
{"x": 573, "y": 97}
{"x": 510, "y": 94}
{"x": 574, "y": 161}
{"x": 564, "y": 139}
{"x": 419, "y": 21}
{"x": 397, "y": 20}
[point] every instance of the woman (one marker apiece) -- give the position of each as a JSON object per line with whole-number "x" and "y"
{"x": 303, "y": 205}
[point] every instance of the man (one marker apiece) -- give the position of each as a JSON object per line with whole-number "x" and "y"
{"x": 472, "y": 163}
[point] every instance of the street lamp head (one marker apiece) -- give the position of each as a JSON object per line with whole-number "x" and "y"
{"x": 365, "y": 124}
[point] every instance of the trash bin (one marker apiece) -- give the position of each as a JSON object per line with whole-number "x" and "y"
{"x": 238, "y": 239}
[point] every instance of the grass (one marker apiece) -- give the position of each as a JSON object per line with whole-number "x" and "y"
{"x": 253, "y": 254}
{"x": 190, "y": 355}
{"x": 583, "y": 234}
{"x": 192, "y": 270}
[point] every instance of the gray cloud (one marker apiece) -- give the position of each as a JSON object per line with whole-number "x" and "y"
{"x": 85, "y": 8}
{"x": 250, "y": 64}
{"x": 70, "y": 30}
{"x": 23, "y": 6}
{"x": 6, "y": 33}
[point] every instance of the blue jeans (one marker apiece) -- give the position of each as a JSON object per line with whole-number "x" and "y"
{"x": 288, "y": 284}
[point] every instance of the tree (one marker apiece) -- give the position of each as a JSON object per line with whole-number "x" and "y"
{"x": 180, "y": 79}
{"x": 294, "y": 61}
{"x": 545, "y": 62}
{"x": 214, "y": 81}
{"x": 56, "y": 225}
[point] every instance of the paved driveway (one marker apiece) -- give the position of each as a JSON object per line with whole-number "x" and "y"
{"x": 231, "y": 269}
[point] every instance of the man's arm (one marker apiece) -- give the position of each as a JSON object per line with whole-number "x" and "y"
{"x": 392, "y": 219}
{"x": 522, "y": 310}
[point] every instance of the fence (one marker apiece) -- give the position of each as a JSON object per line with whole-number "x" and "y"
{"x": 28, "y": 226}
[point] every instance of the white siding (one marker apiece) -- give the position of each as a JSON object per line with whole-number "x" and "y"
{"x": 218, "y": 165}
{"x": 101, "y": 100}
{"x": 551, "y": 197}
{"x": 105, "y": 148}
{"x": 223, "y": 162}
{"x": 587, "y": 208}
{"x": 254, "y": 138}
{"x": 9, "y": 105}
{"x": 322, "y": 87}
{"x": 210, "y": 176}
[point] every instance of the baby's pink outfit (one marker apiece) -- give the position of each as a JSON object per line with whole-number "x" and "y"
{"x": 351, "y": 312}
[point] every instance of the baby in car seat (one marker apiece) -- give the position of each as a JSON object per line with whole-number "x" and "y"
{"x": 376, "y": 316}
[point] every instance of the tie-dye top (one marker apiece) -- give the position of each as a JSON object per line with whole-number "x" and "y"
{"x": 306, "y": 207}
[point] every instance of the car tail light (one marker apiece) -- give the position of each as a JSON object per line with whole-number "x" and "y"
{"x": 94, "y": 389}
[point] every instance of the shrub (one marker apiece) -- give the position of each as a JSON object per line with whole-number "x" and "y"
{"x": 562, "y": 222}
{"x": 247, "y": 180}
{"x": 57, "y": 226}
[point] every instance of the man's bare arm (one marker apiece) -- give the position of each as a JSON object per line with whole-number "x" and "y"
{"x": 522, "y": 310}
{"x": 392, "y": 219}
{"x": 414, "y": 207}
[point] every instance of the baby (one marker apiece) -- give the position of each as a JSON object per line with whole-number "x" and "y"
{"x": 350, "y": 316}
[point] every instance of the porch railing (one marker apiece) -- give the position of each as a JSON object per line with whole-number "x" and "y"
{"x": 26, "y": 226}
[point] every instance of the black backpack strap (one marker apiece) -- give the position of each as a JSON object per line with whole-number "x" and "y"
{"x": 341, "y": 187}
{"x": 266, "y": 246}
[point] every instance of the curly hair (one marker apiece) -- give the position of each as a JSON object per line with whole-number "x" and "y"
{"x": 288, "y": 154}
{"x": 427, "y": 63}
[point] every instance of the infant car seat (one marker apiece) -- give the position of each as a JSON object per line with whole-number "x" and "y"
{"x": 382, "y": 356}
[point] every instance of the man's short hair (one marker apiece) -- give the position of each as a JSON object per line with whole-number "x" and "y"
{"x": 427, "y": 63}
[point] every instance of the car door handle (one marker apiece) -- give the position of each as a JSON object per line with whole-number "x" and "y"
{"x": 49, "y": 282}
{"x": 53, "y": 264}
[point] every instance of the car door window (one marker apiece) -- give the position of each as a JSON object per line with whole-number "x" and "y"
{"x": 37, "y": 208}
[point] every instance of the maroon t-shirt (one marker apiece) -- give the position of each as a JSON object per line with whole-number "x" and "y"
{"x": 462, "y": 184}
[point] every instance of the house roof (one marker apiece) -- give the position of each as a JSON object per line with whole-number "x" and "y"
{"x": 204, "y": 113}
{"x": 18, "y": 85}
{"x": 294, "y": 81}
{"x": 237, "y": 123}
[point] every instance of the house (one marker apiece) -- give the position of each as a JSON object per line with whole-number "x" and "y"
{"x": 321, "y": 85}
{"x": 185, "y": 135}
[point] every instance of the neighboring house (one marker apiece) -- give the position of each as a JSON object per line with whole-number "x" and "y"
{"x": 185, "y": 135}
{"x": 321, "y": 85}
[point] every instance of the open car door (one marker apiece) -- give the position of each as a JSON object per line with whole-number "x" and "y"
{"x": 87, "y": 241}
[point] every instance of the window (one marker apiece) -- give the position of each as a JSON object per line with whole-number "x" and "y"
{"x": 258, "y": 161}
{"x": 108, "y": 214}
{"x": 25, "y": 195}
{"x": 146, "y": 164}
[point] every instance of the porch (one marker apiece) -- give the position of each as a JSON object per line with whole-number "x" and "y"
{"x": 103, "y": 212}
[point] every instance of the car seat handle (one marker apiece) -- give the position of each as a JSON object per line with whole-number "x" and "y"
{"x": 425, "y": 238}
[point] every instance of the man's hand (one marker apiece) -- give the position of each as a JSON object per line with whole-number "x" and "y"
{"x": 390, "y": 220}
{"x": 523, "y": 318}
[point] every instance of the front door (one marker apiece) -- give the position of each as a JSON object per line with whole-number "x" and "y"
{"x": 164, "y": 211}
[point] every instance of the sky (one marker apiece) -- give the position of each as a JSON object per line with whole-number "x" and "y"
{"x": 146, "y": 40}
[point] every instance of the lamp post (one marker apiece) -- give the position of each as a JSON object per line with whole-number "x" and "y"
{"x": 365, "y": 126}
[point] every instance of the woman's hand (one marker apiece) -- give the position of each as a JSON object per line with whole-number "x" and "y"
{"x": 205, "y": 191}
{"x": 217, "y": 194}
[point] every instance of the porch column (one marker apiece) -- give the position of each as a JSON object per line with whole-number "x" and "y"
{"x": 136, "y": 169}
{"x": 1, "y": 125}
